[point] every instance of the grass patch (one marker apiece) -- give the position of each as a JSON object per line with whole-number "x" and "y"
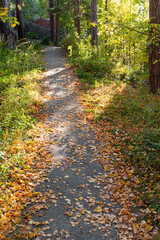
{"x": 19, "y": 91}
{"x": 86, "y": 78}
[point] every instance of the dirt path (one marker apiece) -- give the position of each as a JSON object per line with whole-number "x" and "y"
{"x": 78, "y": 204}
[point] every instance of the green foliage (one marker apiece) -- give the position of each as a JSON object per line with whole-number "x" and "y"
{"x": 18, "y": 61}
{"x": 122, "y": 35}
{"x": 145, "y": 154}
{"x": 89, "y": 59}
{"x": 86, "y": 78}
{"x": 4, "y": 16}
{"x": 35, "y": 8}
{"x": 148, "y": 144}
{"x": 32, "y": 35}
{"x": 70, "y": 40}
{"x": 17, "y": 89}
{"x": 46, "y": 41}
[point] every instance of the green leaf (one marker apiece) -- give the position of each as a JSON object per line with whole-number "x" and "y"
{"x": 19, "y": 7}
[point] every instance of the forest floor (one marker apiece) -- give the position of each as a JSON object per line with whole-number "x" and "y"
{"x": 85, "y": 193}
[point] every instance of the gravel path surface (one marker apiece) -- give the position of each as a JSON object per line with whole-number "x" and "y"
{"x": 78, "y": 204}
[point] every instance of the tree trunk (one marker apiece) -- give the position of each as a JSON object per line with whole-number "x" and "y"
{"x": 20, "y": 18}
{"x": 5, "y": 28}
{"x": 106, "y": 5}
{"x": 51, "y": 20}
{"x": 106, "y": 9}
{"x": 154, "y": 55}
{"x": 78, "y": 20}
{"x": 57, "y": 24}
{"x": 94, "y": 28}
{"x": 77, "y": 16}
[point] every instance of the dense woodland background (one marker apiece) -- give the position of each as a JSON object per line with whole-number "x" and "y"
{"x": 114, "y": 47}
{"x": 120, "y": 29}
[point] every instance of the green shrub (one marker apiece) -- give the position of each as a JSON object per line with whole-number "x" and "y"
{"x": 23, "y": 58}
{"x": 89, "y": 59}
{"x": 71, "y": 39}
{"x": 46, "y": 41}
{"x": 32, "y": 35}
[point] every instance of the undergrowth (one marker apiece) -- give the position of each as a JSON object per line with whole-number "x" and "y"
{"x": 88, "y": 59}
{"x": 19, "y": 71}
{"x": 19, "y": 95}
{"x": 19, "y": 98}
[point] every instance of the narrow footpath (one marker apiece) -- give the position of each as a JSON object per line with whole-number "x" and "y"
{"x": 78, "y": 205}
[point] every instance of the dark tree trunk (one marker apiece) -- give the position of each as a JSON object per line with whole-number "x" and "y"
{"x": 154, "y": 56}
{"x": 106, "y": 6}
{"x": 51, "y": 20}
{"x": 20, "y": 18}
{"x": 5, "y": 28}
{"x": 77, "y": 16}
{"x": 94, "y": 27}
{"x": 78, "y": 20}
{"x": 106, "y": 9}
{"x": 57, "y": 23}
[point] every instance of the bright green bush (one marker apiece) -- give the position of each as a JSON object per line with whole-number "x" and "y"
{"x": 18, "y": 69}
{"x": 89, "y": 59}
{"x": 71, "y": 39}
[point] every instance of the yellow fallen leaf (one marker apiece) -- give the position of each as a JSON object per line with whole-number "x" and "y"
{"x": 135, "y": 227}
{"x": 98, "y": 209}
{"x": 31, "y": 235}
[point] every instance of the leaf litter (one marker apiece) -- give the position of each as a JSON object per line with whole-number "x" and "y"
{"x": 113, "y": 205}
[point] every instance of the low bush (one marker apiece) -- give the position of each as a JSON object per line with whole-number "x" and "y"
{"x": 32, "y": 35}
{"x": 89, "y": 59}
{"x": 71, "y": 39}
{"x": 46, "y": 41}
